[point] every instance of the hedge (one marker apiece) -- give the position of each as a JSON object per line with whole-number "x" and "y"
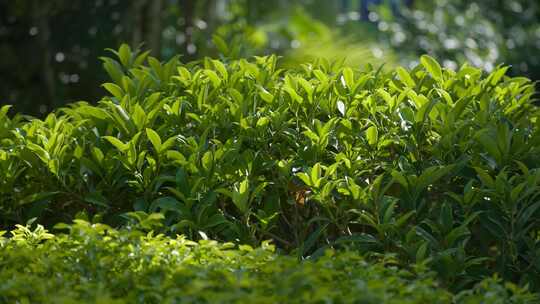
{"x": 434, "y": 166}
{"x": 94, "y": 263}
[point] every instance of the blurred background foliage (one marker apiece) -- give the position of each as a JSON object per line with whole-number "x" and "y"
{"x": 49, "y": 50}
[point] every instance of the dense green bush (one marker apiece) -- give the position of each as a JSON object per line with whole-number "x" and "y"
{"x": 97, "y": 264}
{"x": 432, "y": 165}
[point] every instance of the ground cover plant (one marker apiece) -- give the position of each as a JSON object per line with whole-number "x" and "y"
{"x": 427, "y": 166}
{"x": 94, "y": 263}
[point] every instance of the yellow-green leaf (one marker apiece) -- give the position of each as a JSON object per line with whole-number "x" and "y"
{"x": 432, "y": 66}
{"x": 372, "y": 135}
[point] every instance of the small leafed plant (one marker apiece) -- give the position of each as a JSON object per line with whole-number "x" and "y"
{"x": 93, "y": 263}
{"x": 433, "y": 166}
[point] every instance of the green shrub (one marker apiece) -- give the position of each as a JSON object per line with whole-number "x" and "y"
{"x": 96, "y": 264}
{"x": 432, "y": 165}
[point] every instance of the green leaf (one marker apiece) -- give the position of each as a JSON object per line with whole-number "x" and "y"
{"x": 220, "y": 44}
{"x": 184, "y": 73}
{"x": 220, "y": 67}
{"x": 40, "y": 152}
{"x": 446, "y": 217}
{"x": 348, "y": 77}
{"x": 237, "y": 96}
{"x": 140, "y": 58}
{"x": 306, "y": 86}
{"x": 498, "y": 75}
{"x": 139, "y": 117}
{"x": 305, "y": 178}
{"x": 427, "y": 236}
{"x": 169, "y": 143}
{"x": 241, "y": 196}
{"x": 115, "y": 90}
{"x": 4, "y": 110}
{"x": 166, "y": 203}
{"x": 312, "y": 239}
{"x": 357, "y": 238}
{"x": 176, "y": 156}
{"x": 215, "y": 220}
{"x": 263, "y": 122}
{"x": 37, "y": 197}
{"x": 207, "y": 160}
{"x": 113, "y": 68}
{"x": 372, "y": 135}
{"x": 431, "y": 175}
{"x": 456, "y": 234}
{"x": 94, "y": 112}
{"x": 124, "y": 54}
{"x": 387, "y": 97}
{"x": 122, "y": 147}
{"x": 432, "y": 66}
{"x": 315, "y": 175}
{"x": 400, "y": 178}
{"x": 405, "y": 77}
{"x": 292, "y": 93}
{"x": 421, "y": 253}
{"x": 493, "y": 225}
{"x": 244, "y": 187}
{"x": 389, "y": 213}
{"x": 265, "y": 95}
{"x": 488, "y": 140}
{"x": 155, "y": 139}
{"x": 526, "y": 214}
{"x": 423, "y": 111}
{"x": 214, "y": 78}
{"x": 485, "y": 177}
{"x": 97, "y": 199}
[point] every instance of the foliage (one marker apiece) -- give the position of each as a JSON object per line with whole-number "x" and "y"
{"x": 311, "y": 39}
{"x": 300, "y": 38}
{"x": 485, "y": 33}
{"x": 96, "y": 264}
{"x": 71, "y": 34}
{"x": 432, "y": 165}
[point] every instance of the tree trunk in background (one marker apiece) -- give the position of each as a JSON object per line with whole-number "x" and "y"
{"x": 189, "y": 10}
{"x": 345, "y": 6}
{"x": 40, "y": 12}
{"x": 211, "y": 15}
{"x": 153, "y": 35}
{"x": 251, "y": 11}
{"x": 136, "y": 24}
